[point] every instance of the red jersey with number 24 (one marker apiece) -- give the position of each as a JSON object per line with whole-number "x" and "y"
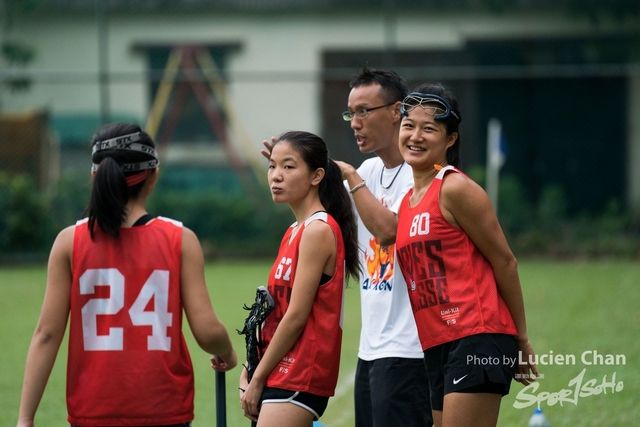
{"x": 312, "y": 364}
{"x": 451, "y": 285}
{"x": 128, "y": 363}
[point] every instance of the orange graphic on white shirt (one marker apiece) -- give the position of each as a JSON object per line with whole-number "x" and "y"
{"x": 379, "y": 265}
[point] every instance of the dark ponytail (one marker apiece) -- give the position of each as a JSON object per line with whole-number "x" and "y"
{"x": 333, "y": 195}
{"x": 117, "y": 148}
{"x": 335, "y": 199}
{"x": 109, "y": 196}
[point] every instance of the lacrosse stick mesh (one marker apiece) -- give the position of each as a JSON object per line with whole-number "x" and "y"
{"x": 258, "y": 312}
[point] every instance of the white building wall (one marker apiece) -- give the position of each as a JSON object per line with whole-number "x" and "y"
{"x": 275, "y": 75}
{"x": 288, "y": 44}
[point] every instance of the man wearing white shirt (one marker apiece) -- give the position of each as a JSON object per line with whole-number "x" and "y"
{"x": 391, "y": 386}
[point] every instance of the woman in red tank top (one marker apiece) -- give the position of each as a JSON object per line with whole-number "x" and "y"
{"x": 461, "y": 275}
{"x": 124, "y": 279}
{"x": 301, "y": 338}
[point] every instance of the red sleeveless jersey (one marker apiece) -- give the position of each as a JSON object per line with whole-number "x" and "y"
{"x": 312, "y": 363}
{"x": 451, "y": 285}
{"x": 128, "y": 363}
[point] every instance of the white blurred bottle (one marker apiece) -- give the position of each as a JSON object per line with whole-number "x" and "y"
{"x": 538, "y": 419}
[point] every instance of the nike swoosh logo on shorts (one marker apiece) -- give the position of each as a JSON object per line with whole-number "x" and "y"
{"x": 456, "y": 381}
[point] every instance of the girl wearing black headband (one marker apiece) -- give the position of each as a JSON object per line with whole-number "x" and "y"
{"x": 123, "y": 278}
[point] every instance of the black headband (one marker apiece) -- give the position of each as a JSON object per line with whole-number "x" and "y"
{"x": 128, "y": 142}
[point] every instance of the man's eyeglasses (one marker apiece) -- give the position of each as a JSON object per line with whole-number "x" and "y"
{"x": 361, "y": 113}
{"x": 441, "y": 110}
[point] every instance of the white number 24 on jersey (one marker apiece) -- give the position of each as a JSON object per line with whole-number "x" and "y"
{"x": 156, "y": 287}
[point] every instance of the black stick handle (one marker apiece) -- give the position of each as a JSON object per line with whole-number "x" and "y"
{"x": 221, "y": 400}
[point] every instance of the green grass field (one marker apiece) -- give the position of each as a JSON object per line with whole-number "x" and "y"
{"x": 572, "y": 308}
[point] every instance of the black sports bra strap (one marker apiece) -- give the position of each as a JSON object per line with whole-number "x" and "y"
{"x": 143, "y": 220}
{"x": 325, "y": 278}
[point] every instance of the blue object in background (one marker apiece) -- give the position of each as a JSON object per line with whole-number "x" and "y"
{"x": 538, "y": 419}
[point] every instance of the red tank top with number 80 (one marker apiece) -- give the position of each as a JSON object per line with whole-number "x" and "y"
{"x": 451, "y": 285}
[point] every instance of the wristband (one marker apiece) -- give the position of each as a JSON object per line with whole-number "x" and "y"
{"x": 354, "y": 189}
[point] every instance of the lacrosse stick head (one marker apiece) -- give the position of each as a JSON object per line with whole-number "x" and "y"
{"x": 258, "y": 312}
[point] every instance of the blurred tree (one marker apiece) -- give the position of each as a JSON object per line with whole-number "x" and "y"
{"x": 596, "y": 10}
{"x": 15, "y": 53}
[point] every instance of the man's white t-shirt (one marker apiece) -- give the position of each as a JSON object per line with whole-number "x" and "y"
{"x": 388, "y": 326}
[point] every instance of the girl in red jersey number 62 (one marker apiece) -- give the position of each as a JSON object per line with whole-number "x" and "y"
{"x": 301, "y": 338}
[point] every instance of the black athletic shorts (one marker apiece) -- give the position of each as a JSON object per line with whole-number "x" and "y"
{"x": 483, "y": 363}
{"x": 311, "y": 402}
{"x": 392, "y": 391}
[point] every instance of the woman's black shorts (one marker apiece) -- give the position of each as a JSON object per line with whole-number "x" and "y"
{"x": 483, "y": 363}
{"x": 311, "y": 402}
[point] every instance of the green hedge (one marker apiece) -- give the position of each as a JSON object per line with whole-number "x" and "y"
{"x": 23, "y": 216}
{"x": 544, "y": 229}
{"x": 227, "y": 226}
{"x": 238, "y": 226}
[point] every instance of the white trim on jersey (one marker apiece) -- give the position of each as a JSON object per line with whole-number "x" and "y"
{"x": 444, "y": 170}
{"x": 321, "y": 215}
{"x": 172, "y": 221}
